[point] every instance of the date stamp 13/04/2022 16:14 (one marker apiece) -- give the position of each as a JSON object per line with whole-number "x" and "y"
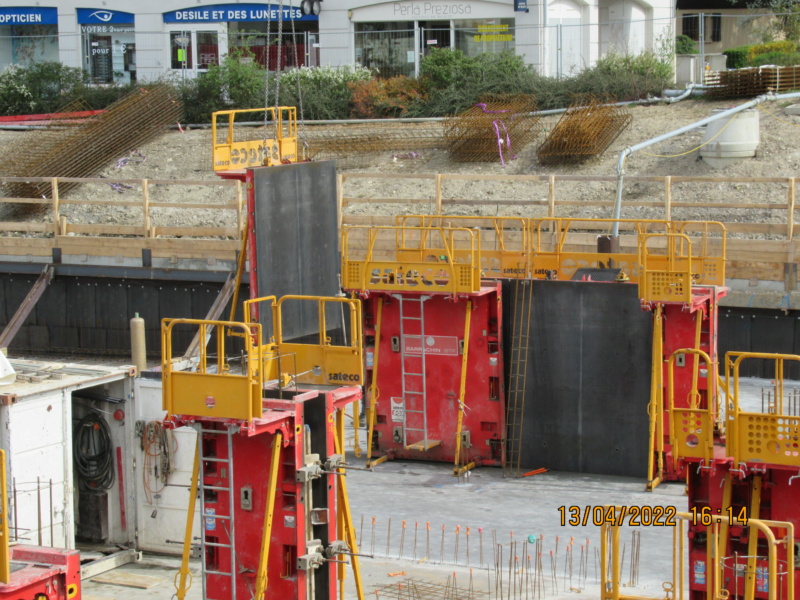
{"x": 646, "y": 516}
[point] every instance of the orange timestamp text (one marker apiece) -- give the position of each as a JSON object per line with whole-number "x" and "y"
{"x": 705, "y": 515}
{"x": 635, "y": 516}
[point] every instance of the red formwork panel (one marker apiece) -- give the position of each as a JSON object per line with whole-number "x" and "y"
{"x": 680, "y": 330}
{"x": 305, "y": 420}
{"x": 397, "y": 424}
{"x": 39, "y": 572}
{"x": 779, "y": 502}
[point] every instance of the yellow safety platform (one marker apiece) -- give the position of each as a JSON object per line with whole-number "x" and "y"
{"x": 239, "y": 147}
{"x": 414, "y": 259}
{"x": 227, "y": 382}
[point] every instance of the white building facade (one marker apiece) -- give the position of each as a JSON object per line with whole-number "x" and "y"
{"x": 124, "y": 41}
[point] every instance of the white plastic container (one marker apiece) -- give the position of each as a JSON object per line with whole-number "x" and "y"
{"x": 732, "y": 138}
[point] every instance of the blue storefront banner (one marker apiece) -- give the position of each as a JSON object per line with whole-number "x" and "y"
{"x": 520, "y": 5}
{"x": 220, "y": 13}
{"x": 97, "y": 16}
{"x": 23, "y": 15}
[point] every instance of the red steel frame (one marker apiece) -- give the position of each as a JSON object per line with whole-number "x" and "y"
{"x": 49, "y": 573}
{"x": 680, "y": 330}
{"x": 306, "y": 422}
{"x": 484, "y": 412}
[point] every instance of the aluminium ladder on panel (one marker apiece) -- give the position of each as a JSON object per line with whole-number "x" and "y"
{"x": 217, "y": 519}
{"x": 414, "y": 383}
{"x": 520, "y": 344}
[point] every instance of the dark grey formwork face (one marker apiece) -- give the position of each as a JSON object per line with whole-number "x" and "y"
{"x": 297, "y": 241}
{"x": 588, "y": 378}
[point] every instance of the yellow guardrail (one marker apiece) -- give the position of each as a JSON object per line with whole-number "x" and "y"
{"x": 320, "y": 363}
{"x": 679, "y": 254}
{"x": 415, "y": 259}
{"x": 504, "y": 241}
{"x": 232, "y": 388}
{"x": 759, "y": 437}
{"x": 666, "y": 272}
{"x": 240, "y": 147}
{"x": 214, "y": 389}
{"x": 691, "y": 429}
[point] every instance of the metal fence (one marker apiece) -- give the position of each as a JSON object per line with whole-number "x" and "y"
{"x": 562, "y": 47}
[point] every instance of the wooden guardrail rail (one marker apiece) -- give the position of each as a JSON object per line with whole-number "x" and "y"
{"x": 759, "y": 248}
{"x": 105, "y": 239}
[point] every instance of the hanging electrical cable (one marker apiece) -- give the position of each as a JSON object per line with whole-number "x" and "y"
{"x": 267, "y": 149}
{"x": 299, "y": 87}
{"x": 279, "y": 69}
{"x": 93, "y": 454}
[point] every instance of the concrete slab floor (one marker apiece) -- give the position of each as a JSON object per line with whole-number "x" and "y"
{"x": 473, "y": 523}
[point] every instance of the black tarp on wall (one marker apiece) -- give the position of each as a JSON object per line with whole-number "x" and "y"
{"x": 296, "y": 227}
{"x": 588, "y": 380}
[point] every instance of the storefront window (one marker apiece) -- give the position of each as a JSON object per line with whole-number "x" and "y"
{"x": 28, "y": 35}
{"x": 476, "y": 36}
{"x": 180, "y": 43}
{"x": 386, "y": 47}
{"x": 207, "y": 49}
{"x": 109, "y": 48}
{"x": 259, "y": 41}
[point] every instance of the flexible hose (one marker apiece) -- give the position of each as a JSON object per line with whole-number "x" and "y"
{"x": 93, "y": 454}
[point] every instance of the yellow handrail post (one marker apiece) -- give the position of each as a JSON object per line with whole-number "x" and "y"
{"x": 269, "y": 517}
{"x": 184, "y": 573}
{"x": 462, "y": 388}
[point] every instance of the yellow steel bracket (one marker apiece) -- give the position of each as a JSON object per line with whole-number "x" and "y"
{"x": 233, "y": 151}
{"x": 656, "y": 408}
{"x": 372, "y": 400}
{"x": 269, "y": 516}
{"x": 344, "y": 509}
{"x": 458, "y": 469}
{"x": 5, "y": 558}
{"x": 181, "y": 584}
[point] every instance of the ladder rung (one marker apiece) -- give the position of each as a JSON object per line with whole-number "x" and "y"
{"x": 216, "y": 488}
{"x": 217, "y": 573}
{"x": 216, "y": 545}
{"x": 217, "y": 431}
{"x": 412, "y": 318}
{"x": 216, "y": 516}
{"x": 213, "y": 459}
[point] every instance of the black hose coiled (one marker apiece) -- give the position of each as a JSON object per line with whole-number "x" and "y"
{"x": 93, "y": 454}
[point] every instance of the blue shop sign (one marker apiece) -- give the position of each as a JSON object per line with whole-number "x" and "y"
{"x": 221, "y": 13}
{"x": 97, "y": 16}
{"x": 520, "y": 5}
{"x": 19, "y": 15}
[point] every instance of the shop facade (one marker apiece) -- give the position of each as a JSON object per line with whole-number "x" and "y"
{"x": 183, "y": 38}
{"x": 557, "y": 37}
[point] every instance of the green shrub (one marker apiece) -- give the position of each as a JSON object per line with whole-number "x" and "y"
{"x": 784, "y": 59}
{"x": 40, "y": 88}
{"x": 456, "y": 81}
{"x": 737, "y": 57}
{"x": 624, "y": 76}
{"x": 769, "y": 48}
{"x": 324, "y": 90}
{"x": 685, "y": 45}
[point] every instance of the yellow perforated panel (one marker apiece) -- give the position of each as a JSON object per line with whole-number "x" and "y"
{"x": 667, "y": 286}
{"x": 769, "y": 438}
{"x": 353, "y": 275}
{"x": 691, "y": 433}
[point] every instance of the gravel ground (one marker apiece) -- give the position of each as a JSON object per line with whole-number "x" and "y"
{"x": 187, "y": 155}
